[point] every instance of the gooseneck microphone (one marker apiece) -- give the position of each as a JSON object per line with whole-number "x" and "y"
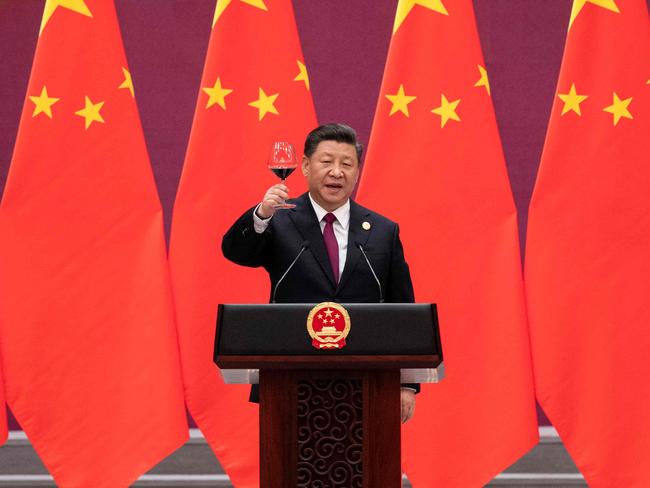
{"x": 381, "y": 296}
{"x": 305, "y": 245}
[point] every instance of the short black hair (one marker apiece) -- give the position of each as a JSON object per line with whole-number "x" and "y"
{"x": 332, "y": 132}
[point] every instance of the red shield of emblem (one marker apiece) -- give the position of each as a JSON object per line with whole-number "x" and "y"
{"x": 328, "y": 325}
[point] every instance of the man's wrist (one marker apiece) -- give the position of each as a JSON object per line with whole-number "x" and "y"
{"x": 259, "y": 215}
{"x": 260, "y": 223}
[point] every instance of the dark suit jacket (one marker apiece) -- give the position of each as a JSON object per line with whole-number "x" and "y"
{"x": 311, "y": 279}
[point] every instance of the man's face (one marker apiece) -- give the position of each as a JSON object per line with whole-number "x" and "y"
{"x": 331, "y": 172}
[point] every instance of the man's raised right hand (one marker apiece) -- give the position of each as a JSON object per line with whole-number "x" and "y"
{"x": 276, "y": 195}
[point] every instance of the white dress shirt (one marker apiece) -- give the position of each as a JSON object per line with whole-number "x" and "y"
{"x": 341, "y": 226}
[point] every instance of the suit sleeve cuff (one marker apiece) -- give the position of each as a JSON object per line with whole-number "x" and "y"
{"x": 260, "y": 224}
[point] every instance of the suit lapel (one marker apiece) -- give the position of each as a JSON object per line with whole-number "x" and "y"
{"x": 305, "y": 220}
{"x": 356, "y": 233}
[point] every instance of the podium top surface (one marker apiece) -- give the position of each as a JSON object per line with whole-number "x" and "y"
{"x": 388, "y": 330}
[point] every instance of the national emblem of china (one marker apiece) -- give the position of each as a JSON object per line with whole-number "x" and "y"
{"x": 328, "y": 325}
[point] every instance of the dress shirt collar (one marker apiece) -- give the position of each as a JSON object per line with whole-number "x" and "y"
{"x": 342, "y": 213}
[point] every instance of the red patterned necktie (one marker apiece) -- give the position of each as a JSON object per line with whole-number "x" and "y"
{"x": 331, "y": 244}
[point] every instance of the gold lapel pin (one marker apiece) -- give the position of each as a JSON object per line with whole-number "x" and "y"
{"x": 366, "y": 226}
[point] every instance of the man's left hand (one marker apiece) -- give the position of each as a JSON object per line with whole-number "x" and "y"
{"x": 408, "y": 404}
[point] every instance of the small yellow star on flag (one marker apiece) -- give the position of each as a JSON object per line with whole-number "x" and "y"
{"x": 447, "y": 110}
{"x": 128, "y": 82}
{"x": 302, "y": 74}
{"x": 223, "y": 5}
{"x": 265, "y": 104}
{"x": 400, "y": 101}
{"x": 404, "y": 8}
{"x": 483, "y": 80}
{"x": 578, "y": 5}
{"x": 572, "y": 100}
{"x": 43, "y": 103}
{"x": 619, "y": 108}
{"x": 90, "y": 112}
{"x": 217, "y": 94}
{"x": 78, "y": 6}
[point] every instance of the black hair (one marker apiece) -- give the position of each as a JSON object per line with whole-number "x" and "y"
{"x": 332, "y": 132}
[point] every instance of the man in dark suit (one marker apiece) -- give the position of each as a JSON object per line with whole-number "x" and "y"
{"x": 333, "y": 268}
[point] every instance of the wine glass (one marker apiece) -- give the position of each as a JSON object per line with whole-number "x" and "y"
{"x": 283, "y": 161}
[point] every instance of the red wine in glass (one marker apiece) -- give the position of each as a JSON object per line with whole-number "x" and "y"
{"x": 282, "y": 173}
{"x": 283, "y": 162}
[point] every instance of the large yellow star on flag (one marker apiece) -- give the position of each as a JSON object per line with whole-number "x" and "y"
{"x": 223, "y": 5}
{"x": 217, "y": 94}
{"x": 578, "y": 5}
{"x": 447, "y": 110}
{"x": 78, "y": 6}
{"x": 404, "y": 8}
{"x": 128, "y": 82}
{"x": 43, "y": 103}
{"x": 619, "y": 108}
{"x": 302, "y": 74}
{"x": 90, "y": 112}
{"x": 265, "y": 103}
{"x": 400, "y": 101}
{"x": 572, "y": 100}
{"x": 483, "y": 80}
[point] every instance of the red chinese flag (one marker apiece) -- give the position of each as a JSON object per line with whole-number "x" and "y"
{"x": 87, "y": 336}
{"x": 588, "y": 244}
{"x": 254, "y": 91}
{"x": 435, "y": 165}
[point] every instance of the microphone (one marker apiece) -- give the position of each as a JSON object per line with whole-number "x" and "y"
{"x": 305, "y": 245}
{"x": 381, "y": 296}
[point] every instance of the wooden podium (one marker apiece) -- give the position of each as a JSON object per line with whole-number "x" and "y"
{"x": 329, "y": 414}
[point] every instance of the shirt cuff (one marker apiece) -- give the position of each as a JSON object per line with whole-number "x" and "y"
{"x": 260, "y": 224}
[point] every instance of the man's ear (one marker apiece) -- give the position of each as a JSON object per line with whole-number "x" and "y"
{"x": 305, "y": 165}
